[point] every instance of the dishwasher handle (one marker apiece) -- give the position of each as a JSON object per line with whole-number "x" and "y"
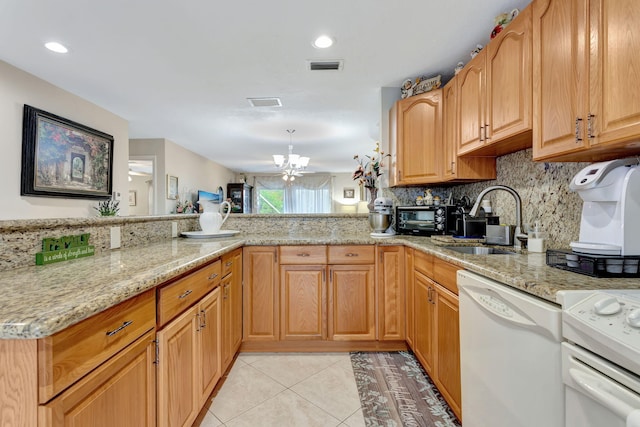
{"x": 595, "y": 388}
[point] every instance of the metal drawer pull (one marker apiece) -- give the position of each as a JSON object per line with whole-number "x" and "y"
{"x": 303, "y": 254}
{"x": 590, "y": 134}
{"x": 204, "y": 319}
{"x": 119, "y": 328}
{"x": 229, "y": 264}
{"x": 350, "y": 254}
{"x": 186, "y": 294}
{"x": 213, "y": 276}
{"x": 578, "y": 121}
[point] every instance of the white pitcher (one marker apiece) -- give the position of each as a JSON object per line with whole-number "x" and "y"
{"x": 211, "y": 221}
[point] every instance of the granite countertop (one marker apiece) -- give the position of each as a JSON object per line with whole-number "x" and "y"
{"x": 39, "y": 301}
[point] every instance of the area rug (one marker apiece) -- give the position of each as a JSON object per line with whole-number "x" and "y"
{"x": 395, "y": 391}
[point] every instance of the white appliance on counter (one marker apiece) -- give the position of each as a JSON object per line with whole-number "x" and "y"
{"x": 510, "y": 356}
{"x": 611, "y": 192}
{"x": 601, "y": 361}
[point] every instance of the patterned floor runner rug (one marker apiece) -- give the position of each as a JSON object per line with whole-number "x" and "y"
{"x": 395, "y": 391}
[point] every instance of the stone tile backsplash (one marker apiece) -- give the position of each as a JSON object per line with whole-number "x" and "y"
{"x": 543, "y": 188}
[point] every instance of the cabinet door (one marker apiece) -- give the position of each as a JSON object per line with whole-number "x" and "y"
{"x": 351, "y": 303}
{"x": 227, "y": 322}
{"x": 560, "y": 76}
{"x": 120, "y": 392}
{"x": 419, "y": 138}
{"x": 236, "y": 301}
{"x": 303, "y": 302}
{"x": 410, "y": 296}
{"x": 391, "y": 289}
{"x": 447, "y": 346}
{"x": 424, "y": 312}
{"x": 177, "y": 400}
{"x": 260, "y": 293}
{"x": 471, "y": 89}
{"x": 450, "y": 128}
{"x": 208, "y": 349}
{"x": 615, "y": 92}
{"x": 509, "y": 92}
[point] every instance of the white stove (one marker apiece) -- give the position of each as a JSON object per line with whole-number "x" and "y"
{"x": 601, "y": 360}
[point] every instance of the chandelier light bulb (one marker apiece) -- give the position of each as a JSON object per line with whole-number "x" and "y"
{"x": 292, "y": 164}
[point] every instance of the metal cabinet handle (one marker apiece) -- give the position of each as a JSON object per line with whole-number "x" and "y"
{"x": 351, "y": 254}
{"x": 186, "y": 294}
{"x": 590, "y": 134}
{"x": 453, "y": 167}
{"x": 228, "y": 264}
{"x": 480, "y": 133}
{"x": 213, "y": 276}
{"x": 204, "y": 319}
{"x": 303, "y": 254}
{"x": 485, "y": 132}
{"x": 119, "y": 328}
{"x": 578, "y": 121}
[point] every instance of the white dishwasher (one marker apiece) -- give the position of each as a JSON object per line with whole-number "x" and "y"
{"x": 510, "y": 356}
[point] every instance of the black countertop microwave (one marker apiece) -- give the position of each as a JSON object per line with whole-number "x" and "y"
{"x": 425, "y": 220}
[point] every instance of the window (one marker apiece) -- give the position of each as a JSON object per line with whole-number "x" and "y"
{"x": 307, "y": 194}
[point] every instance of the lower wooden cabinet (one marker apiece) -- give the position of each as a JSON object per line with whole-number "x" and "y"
{"x": 120, "y": 392}
{"x": 352, "y": 303}
{"x": 391, "y": 290}
{"x": 186, "y": 372}
{"x": 436, "y": 325}
{"x": 303, "y": 301}
{"x": 260, "y": 293}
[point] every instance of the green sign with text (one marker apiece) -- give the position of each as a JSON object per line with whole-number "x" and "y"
{"x": 64, "y": 248}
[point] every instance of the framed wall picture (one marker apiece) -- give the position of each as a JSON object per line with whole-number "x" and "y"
{"x": 62, "y": 158}
{"x": 132, "y": 197}
{"x": 172, "y": 187}
{"x": 349, "y": 193}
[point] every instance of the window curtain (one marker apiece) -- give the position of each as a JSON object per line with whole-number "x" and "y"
{"x": 307, "y": 194}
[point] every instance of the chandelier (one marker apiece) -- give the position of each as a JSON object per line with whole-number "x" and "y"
{"x": 291, "y": 165}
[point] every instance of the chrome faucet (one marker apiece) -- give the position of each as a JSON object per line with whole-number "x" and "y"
{"x": 518, "y": 230}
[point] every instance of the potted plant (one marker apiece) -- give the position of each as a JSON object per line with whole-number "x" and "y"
{"x": 108, "y": 207}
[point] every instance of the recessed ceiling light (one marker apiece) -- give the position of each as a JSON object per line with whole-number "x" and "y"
{"x": 56, "y": 47}
{"x": 323, "y": 42}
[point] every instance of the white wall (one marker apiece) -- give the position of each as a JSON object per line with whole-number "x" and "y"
{"x": 18, "y": 88}
{"x": 193, "y": 171}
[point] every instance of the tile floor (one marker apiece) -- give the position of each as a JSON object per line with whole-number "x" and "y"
{"x": 288, "y": 389}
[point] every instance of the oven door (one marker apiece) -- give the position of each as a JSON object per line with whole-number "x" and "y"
{"x": 597, "y": 392}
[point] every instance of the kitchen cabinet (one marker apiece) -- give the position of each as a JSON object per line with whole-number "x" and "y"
{"x": 459, "y": 168}
{"x": 260, "y": 294}
{"x": 495, "y": 94}
{"x": 121, "y": 392}
{"x": 436, "y": 324}
{"x": 417, "y": 141}
{"x": 586, "y": 100}
{"x": 189, "y": 363}
{"x": 391, "y": 293}
{"x": 231, "y": 290}
{"x": 303, "y": 292}
{"x": 352, "y": 293}
{"x": 409, "y": 297}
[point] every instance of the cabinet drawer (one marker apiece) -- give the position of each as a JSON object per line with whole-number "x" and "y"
{"x": 352, "y": 254}
{"x": 175, "y": 297}
{"x": 445, "y": 274}
{"x": 71, "y": 353}
{"x": 423, "y": 263}
{"x": 303, "y": 254}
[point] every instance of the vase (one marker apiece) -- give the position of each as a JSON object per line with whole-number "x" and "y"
{"x": 211, "y": 220}
{"x": 373, "y": 195}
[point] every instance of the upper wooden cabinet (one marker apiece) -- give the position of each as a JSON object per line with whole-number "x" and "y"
{"x": 459, "y": 168}
{"x": 417, "y": 143}
{"x": 495, "y": 94}
{"x": 587, "y": 101}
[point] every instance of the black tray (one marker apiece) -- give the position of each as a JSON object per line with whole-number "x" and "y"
{"x": 594, "y": 265}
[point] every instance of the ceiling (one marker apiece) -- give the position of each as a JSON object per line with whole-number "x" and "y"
{"x": 184, "y": 70}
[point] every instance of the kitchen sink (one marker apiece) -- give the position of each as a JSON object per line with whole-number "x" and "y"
{"x": 479, "y": 250}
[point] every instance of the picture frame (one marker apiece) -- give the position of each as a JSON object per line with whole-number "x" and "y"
{"x": 348, "y": 193}
{"x": 172, "y": 187}
{"x": 63, "y": 158}
{"x": 132, "y": 198}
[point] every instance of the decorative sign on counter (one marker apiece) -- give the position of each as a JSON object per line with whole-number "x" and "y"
{"x": 64, "y": 248}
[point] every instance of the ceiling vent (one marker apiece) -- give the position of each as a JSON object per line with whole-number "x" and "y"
{"x": 326, "y": 65}
{"x": 265, "y": 102}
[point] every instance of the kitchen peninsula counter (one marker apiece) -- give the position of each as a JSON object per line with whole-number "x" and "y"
{"x": 39, "y": 301}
